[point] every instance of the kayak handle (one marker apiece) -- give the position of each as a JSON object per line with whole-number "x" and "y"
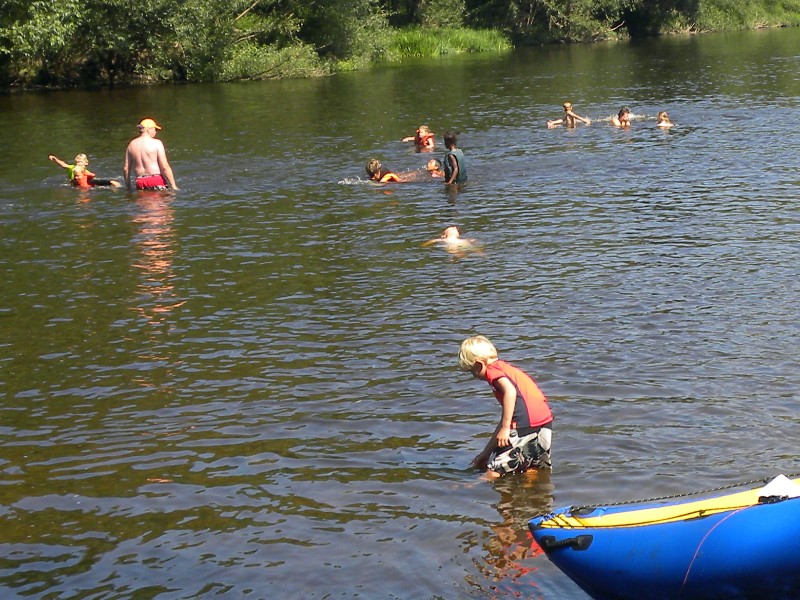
{"x": 579, "y": 542}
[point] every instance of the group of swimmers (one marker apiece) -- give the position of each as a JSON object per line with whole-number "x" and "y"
{"x": 453, "y": 167}
{"x": 622, "y": 119}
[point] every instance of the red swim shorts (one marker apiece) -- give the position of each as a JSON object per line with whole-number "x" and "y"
{"x": 151, "y": 182}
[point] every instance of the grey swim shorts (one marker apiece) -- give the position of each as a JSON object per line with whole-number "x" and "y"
{"x": 528, "y": 452}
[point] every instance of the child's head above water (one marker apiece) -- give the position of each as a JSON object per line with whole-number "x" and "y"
{"x": 476, "y": 349}
{"x": 451, "y": 233}
{"x": 434, "y": 164}
{"x": 81, "y": 160}
{"x": 373, "y": 166}
{"x": 451, "y": 139}
{"x": 567, "y": 106}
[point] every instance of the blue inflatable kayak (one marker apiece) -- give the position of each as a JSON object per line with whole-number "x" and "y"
{"x": 737, "y": 546}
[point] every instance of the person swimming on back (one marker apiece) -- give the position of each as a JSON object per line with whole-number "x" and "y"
{"x": 79, "y": 175}
{"x": 423, "y": 138}
{"x": 570, "y": 118}
{"x": 663, "y": 120}
{"x": 453, "y": 242}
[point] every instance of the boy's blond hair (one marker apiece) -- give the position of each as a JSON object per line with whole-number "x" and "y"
{"x": 81, "y": 158}
{"x": 473, "y": 349}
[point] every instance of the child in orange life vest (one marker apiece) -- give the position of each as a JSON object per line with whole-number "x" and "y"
{"x": 522, "y": 439}
{"x": 423, "y": 139}
{"x": 79, "y": 175}
{"x": 376, "y": 172}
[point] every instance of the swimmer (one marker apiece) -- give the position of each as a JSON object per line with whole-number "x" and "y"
{"x": 663, "y": 120}
{"x": 570, "y": 118}
{"x": 452, "y": 241}
{"x": 79, "y": 175}
{"x": 376, "y": 172}
{"x": 423, "y": 139}
{"x": 622, "y": 119}
{"x": 434, "y": 167}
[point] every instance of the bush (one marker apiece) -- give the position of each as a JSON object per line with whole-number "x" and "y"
{"x": 253, "y": 61}
{"x": 722, "y": 15}
{"x": 443, "y": 13}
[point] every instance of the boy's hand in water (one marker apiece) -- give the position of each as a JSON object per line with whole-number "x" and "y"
{"x": 480, "y": 462}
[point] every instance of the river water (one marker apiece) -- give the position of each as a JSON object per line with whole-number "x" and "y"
{"x": 249, "y": 389}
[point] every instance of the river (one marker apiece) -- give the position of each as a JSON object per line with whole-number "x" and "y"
{"x": 249, "y": 389}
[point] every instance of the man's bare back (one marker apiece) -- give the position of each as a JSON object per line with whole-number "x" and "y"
{"x": 146, "y": 158}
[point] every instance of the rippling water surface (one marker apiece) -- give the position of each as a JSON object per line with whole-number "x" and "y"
{"x": 249, "y": 389}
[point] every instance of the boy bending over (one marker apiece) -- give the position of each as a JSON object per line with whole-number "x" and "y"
{"x": 522, "y": 439}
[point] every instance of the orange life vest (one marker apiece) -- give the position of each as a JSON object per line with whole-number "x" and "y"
{"x": 387, "y": 177}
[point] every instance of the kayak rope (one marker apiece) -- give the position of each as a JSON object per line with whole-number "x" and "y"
{"x": 763, "y": 481}
{"x": 697, "y": 551}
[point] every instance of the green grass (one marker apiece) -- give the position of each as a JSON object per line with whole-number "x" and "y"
{"x": 422, "y": 42}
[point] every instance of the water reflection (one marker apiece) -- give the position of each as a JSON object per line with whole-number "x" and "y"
{"x": 154, "y": 246}
{"x": 511, "y": 554}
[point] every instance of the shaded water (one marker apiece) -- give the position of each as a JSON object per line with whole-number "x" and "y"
{"x": 249, "y": 389}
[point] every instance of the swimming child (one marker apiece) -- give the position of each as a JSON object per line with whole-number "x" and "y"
{"x": 451, "y": 239}
{"x": 663, "y": 120}
{"x": 523, "y": 437}
{"x": 455, "y": 165}
{"x": 376, "y": 172}
{"x": 79, "y": 175}
{"x": 570, "y": 118}
{"x": 434, "y": 167}
{"x": 622, "y": 118}
{"x": 423, "y": 138}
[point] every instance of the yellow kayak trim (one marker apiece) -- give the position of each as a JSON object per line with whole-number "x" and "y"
{"x": 661, "y": 514}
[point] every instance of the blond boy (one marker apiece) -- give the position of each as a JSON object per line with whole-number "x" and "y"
{"x": 570, "y": 118}
{"x": 522, "y": 439}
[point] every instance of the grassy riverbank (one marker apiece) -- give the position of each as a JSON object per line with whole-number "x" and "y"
{"x": 80, "y": 43}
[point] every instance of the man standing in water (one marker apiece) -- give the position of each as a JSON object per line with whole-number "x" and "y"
{"x": 147, "y": 159}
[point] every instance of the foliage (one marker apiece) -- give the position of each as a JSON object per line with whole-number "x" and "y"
{"x": 542, "y": 21}
{"x": 90, "y": 42}
{"x": 348, "y": 29}
{"x": 721, "y": 15}
{"x": 442, "y": 13}
{"x": 254, "y": 61}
